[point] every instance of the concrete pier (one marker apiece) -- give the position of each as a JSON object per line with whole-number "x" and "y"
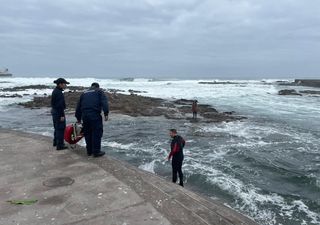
{"x": 72, "y": 188}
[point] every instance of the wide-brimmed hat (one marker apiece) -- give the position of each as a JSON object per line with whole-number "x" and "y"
{"x": 61, "y": 81}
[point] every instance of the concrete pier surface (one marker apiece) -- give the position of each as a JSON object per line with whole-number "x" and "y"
{"x": 72, "y": 188}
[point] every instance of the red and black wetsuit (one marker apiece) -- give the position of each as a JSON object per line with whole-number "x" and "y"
{"x": 177, "y": 145}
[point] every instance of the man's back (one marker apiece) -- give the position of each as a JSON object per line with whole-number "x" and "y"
{"x": 91, "y": 103}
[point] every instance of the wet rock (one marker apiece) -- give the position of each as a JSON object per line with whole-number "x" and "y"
{"x": 42, "y": 87}
{"x": 11, "y": 96}
{"x": 229, "y": 113}
{"x": 289, "y": 92}
{"x": 311, "y": 92}
{"x": 134, "y": 105}
{"x": 308, "y": 82}
{"x": 23, "y": 88}
{"x": 217, "y": 82}
{"x": 184, "y": 102}
{"x": 134, "y": 91}
{"x": 76, "y": 88}
{"x": 127, "y": 79}
{"x": 115, "y": 90}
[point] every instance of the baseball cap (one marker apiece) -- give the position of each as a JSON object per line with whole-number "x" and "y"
{"x": 61, "y": 81}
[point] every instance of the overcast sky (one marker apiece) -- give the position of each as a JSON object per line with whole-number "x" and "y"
{"x": 161, "y": 38}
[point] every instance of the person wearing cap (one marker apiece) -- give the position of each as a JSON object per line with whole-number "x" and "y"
{"x": 177, "y": 145}
{"x": 92, "y": 102}
{"x": 58, "y": 106}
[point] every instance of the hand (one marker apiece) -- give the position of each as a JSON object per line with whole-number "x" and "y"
{"x": 106, "y": 118}
{"x": 62, "y": 118}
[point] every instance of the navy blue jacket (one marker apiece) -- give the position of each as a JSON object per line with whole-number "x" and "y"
{"x": 57, "y": 102}
{"x": 91, "y": 103}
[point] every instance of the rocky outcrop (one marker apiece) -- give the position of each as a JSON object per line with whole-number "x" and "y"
{"x": 41, "y": 87}
{"x": 217, "y": 82}
{"x": 299, "y": 93}
{"x": 11, "y": 96}
{"x": 134, "y": 91}
{"x": 135, "y": 105}
{"x": 289, "y": 92}
{"x": 310, "y": 92}
{"x": 308, "y": 82}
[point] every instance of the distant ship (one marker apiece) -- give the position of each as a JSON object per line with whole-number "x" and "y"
{"x": 5, "y": 73}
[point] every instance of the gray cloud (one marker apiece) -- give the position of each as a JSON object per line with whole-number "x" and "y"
{"x": 180, "y": 38}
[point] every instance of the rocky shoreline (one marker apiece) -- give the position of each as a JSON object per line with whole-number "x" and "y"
{"x": 299, "y": 93}
{"x": 135, "y": 105}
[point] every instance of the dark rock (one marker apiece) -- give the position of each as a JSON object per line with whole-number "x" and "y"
{"x": 308, "y": 82}
{"x": 183, "y": 102}
{"x": 76, "y": 88}
{"x": 127, "y": 79}
{"x": 217, "y": 82}
{"x": 229, "y": 113}
{"x": 289, "y": 92}
{"x": 23, "y": 88}
{"x": 42, "y": 87}
{"x": 134, "y": 105}
{"x": 115, "y": 90}
{"x": 11, "y": 96}
{"x": 311, "y": 92}
{"x": 285, "y": 83}
{"x": 133, "y": 91}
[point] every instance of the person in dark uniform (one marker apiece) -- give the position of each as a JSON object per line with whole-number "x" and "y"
{"x": 177, "y": 145}
{"x": 58, "y": 106}
{"x": 89, "y": 108}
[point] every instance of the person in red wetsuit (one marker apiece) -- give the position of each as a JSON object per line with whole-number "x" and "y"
{"x": 177, "y": 145}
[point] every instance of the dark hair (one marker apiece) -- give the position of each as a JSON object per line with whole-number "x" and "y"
{"x": 95, "y": 85}
{"x": 173, "y": 131}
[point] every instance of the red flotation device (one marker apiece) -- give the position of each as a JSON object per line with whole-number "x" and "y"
{"x": 73, "y": 133}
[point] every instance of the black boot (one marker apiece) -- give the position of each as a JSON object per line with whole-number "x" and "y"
{"x": 61, "y": 148}
{"x": 99, "y": 154}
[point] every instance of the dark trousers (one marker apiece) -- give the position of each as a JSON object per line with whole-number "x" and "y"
{"x": 194, "y": 115}
{"x": 177, "y": 169}
{"x": 59, "y": 127}
{"x": 93, "y": 130}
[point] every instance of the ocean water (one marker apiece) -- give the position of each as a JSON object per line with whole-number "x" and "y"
{"x": 267, "y": 166}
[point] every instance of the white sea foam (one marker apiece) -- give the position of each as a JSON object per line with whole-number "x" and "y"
{"x": 118, "y": 145}
{"x": 250, "y": 199}
{"x": 148, "y": 166}
{"x": 315, "y": 218}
